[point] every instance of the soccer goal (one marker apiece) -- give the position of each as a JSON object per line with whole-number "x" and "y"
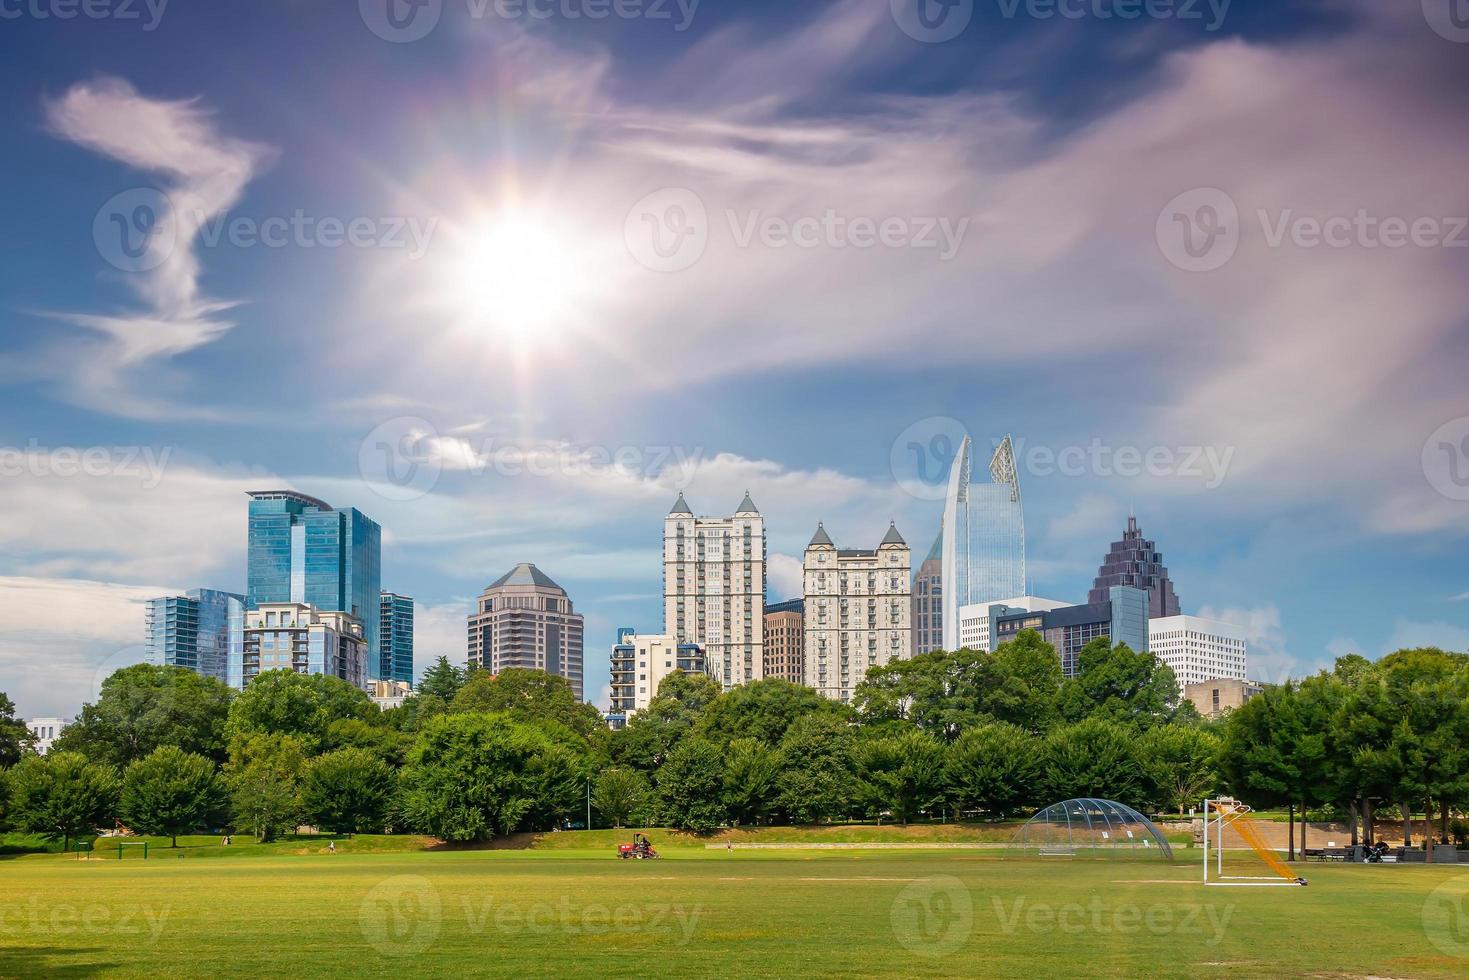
{"x": 1229, "y": 814}
{"x": 132, "y": 843}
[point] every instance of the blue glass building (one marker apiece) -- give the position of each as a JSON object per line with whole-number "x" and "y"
{"x": 396, "y": 634}
{"x": 301, "y": 549}
{"x": 983, "y": 551}
{"x": 198, "y": 630}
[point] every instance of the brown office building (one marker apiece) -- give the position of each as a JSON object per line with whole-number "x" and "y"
{"x": 525, "y": 620}
{"x": 785, "y": 641}
{"x": 1215, "y": 697}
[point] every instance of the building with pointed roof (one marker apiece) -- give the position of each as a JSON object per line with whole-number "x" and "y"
{"x": 928, "y": 600}
{"x": 857, "y": 611}
{"x": 524, "y": 619}
{"x": 1136, "y": 562}
{"x": 714, "y": 588}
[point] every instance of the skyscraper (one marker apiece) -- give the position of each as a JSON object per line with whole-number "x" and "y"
{"x": 198, "y": 630}
{"x": 984, "y": 536}
{"x": 298, "y": 636}
{"x": 714, "y": 588}
{"x": 303, "y": 550}
{"x": 928, "y": 600}
{"x": 524, "y": 619}
{"x": 857, "y": 609}
{"x": 1135, "y": 561}
{"x": 395, "y": 632}
{"x": 785, "y": 644}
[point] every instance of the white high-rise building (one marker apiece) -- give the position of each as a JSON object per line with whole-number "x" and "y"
{"x": 714, "y": 588}
{"x": 640, "y": 664}
{"x": 1199, "y": 649}
{"x": 974, "y": 619}
{"x": 858, "y": 611}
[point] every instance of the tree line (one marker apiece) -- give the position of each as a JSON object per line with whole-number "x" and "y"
{"x": 971, "y": 734}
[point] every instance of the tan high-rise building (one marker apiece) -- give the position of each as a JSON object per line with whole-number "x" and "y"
{"x": 928, "y": 600}
{"x": 526, "y": 620}
{"x": 714, "y": 588}
{"x": 785, "y": 644}
{"x": 858, "y": 609}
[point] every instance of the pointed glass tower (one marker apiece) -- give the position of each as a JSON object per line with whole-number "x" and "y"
{"x": 984, "y": 536}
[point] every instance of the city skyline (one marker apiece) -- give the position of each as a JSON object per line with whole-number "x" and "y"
{"x": 520, "y": 379}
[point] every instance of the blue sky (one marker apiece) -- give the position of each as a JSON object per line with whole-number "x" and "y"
{"x": 505, "y": 175}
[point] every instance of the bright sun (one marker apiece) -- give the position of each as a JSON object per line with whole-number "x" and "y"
{"x": 512, "y": 274}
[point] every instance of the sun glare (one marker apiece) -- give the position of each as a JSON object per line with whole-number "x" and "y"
{"x": 513, "y": 275}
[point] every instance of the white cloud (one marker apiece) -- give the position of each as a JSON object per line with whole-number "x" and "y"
{"x": 61, "y": 636}
{"x": 204, "y": 173}
{"x": 440, "y": 631}
{"x": 785, "y": 576}
{"x": 1268, "y": 658}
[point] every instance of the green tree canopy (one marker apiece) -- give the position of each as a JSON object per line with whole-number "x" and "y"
{"x": 15, "y": 737}
{"x": 527, "y": 695}
{"x": 690, "y": 786}
{"x": 143, "y": 707}
{"x": 171, "y": 792}
{"x": 1122, "y": 685}
{"x": 471, "y": 776}
{"x": 442, "y": 680}
{"x": 1094, "y": 758}
{"x": 348, "y": 791}
{"x": 303, "y": 706}
{"x": 751, "y": 774}
{"x": 817, "y": 778}
{"x": 1181, "y": 763}
{"x": 903, "y": 774}
{"x": 62, "y": 796}
{"x": 763, "y": 710}
{"x": 995, "y": 768}
{"x": 264, "y": 780}
{"x": 620, "y": 795}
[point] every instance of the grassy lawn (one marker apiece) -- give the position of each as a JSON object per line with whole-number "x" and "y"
{"x": 385, "y": 907}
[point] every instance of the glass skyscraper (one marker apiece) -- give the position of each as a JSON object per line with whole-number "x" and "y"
{"x": 303, "y": 550}
{"x": 983, "y": 552}
{"x": 396, "y": 634}
{"x": 198, "y": 630}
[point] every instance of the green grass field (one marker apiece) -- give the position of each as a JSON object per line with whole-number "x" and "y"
{"x": 566, "y": 906}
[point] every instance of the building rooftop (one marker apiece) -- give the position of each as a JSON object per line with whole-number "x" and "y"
{"x": 892, "y": 537}
{"x": 821, "y": 537}
{"x": 302, "y": 498}
{"x": 526, "y": 574}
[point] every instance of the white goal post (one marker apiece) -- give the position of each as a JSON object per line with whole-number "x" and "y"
{"x": 1225, "y": 812}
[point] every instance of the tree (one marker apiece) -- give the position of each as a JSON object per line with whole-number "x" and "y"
{"x": 382, "y": 740}
{"x": 751, "y": 771}
{"x": 303, "y": 706}
{"x": 1093, "y": 758}
{"x": 442, "y": 680}
{"x": 762, "y": 710}
{"x": 15, "y": 737}
{"x": 620, "y": 794}
{"x": 171, "y": 792}
{"x": 817, "y": 774}
{"x": 347, "y": 791}
{"x": 468, "y": 776}
{"x": 143, "y": 707}
{"x": 1181, "y": 764}
{"x": 690, "y": 786}
{"x": 994, "y": 768}
{"x": 264, "y": 781}
{"x": 61, "y": 796}
{"x": 903, "y": 774}
{"x": 527, "y": 695}
{"x": 1121, "y": 685}
{"x": 672, "y": 713}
